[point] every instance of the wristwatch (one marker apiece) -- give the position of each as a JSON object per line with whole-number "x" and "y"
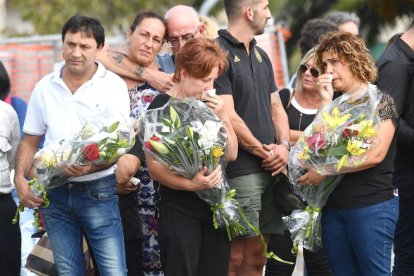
{"x": 287, "y": 144}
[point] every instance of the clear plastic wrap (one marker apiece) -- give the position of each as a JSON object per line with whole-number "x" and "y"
{"x": 340, "y": 137}
{"x": 185, "y": 136}
{"x": 98, "y": 142}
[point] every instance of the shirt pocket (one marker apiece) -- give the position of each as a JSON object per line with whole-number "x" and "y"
{"x": 5, "y": 147}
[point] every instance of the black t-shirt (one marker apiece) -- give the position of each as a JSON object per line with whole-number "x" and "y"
{"x": 299, "y": 118}
{"x": 371, "y": 186}
{"x": 184, "y": 201}
{"x": 396, "y": 77}
{"x": 137, "y": 150}
{"x": 250, "y": 80}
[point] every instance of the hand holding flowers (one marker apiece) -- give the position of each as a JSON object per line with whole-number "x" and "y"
{"x": 186, "y": 137}
{"x": 189, "y": 139}
{"x": 96, "y": 144}
{"x": 339, "y": 139}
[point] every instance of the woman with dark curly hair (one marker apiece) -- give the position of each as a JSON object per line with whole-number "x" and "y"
{"x": 359, "y": 219}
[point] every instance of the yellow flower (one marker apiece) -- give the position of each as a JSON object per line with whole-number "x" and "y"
{"x": 367, "y": 129}
{"x": 341, "y": 162}
{"x": 355, "y": 147}
{"x": 217, "y": 152}
{"x": 49, "y": 159}
{"x": 304, "y": 155}
{"x": 159, "y": 147}
{"x": 335, "y": 119}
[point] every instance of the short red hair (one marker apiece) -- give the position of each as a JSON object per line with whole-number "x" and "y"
{"x": 198, "y": 57}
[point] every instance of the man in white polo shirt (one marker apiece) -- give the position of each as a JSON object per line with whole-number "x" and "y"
{"x": 78, "y": 90}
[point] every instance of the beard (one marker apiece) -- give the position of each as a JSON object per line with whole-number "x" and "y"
{"x": 258, "y": 26}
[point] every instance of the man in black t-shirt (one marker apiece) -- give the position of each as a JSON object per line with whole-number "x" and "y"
{"x": 259, "y": 120}
{"x": 396, "y": 77}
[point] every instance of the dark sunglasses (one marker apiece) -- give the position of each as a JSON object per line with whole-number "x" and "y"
{"x": 314, "y": 72}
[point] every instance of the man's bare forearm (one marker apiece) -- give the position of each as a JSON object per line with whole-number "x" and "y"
{"x": 245, "y": 138}
{"x": 24, "y": 156}
{"x": 280, "y": 119}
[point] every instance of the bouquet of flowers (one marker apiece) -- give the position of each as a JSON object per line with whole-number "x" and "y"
{"x": 339, "y": 138}
{"x": 96, "y": 143}
{"x": 186, "y": 136}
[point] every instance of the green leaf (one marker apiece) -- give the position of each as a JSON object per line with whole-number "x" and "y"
{"x": 166, "y": 122}
{"x": 175, "y": 120}
{"x": 336, "y": 151}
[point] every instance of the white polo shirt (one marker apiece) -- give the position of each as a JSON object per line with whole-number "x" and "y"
{"x": 54, "y": 111}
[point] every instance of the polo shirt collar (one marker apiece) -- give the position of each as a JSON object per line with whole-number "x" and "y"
{"x": 233, "y": 40}
{"x": 100, "y": 72}
{"x": 408, "y": 52}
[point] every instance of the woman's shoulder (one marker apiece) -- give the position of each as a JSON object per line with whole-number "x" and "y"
{"x": 160, "y": 100}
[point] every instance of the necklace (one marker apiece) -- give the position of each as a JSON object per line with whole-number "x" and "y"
{"x": 300, "y": 120}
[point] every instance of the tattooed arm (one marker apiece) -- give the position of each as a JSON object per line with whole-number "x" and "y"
{"x": 245, "y": 137}
{"x": 122, "y": 65}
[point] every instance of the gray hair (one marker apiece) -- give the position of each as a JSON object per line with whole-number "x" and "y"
{"x": 339, "y": 18}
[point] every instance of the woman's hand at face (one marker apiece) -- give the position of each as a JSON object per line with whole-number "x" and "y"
{"x": 215, "y": 103}
{"x": 325, "y": 88}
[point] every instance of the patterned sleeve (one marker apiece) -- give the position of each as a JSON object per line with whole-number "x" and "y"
{"x": 387, "y": 109}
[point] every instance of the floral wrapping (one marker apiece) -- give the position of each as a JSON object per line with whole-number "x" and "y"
{"x": 339, "y": 138}
{"x": 185, "y": 136}
{"x": 98, "y": 142}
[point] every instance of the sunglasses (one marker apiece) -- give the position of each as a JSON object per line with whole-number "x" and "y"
{"x": 314, "y": 72}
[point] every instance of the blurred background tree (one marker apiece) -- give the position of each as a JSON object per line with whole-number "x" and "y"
{"x": 374, "y": 15}
{"x": 47, "y": 17}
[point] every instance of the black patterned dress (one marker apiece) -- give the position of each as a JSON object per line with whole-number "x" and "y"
{"x": 141, "y": 96}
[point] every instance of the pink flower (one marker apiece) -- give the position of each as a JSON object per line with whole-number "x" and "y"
{"x": 316, "y": 141}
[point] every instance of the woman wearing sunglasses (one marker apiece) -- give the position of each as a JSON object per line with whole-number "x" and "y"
{"x": 312, "y": 91}
{"x": 301, "y": 105}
